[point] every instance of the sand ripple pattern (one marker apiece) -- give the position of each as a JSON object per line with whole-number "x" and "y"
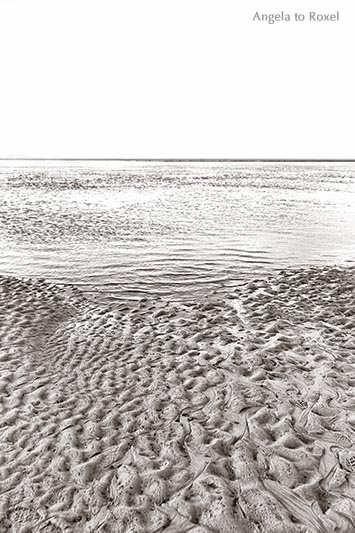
{"x": 224, "y": 415}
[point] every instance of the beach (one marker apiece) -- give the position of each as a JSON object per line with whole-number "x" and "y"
{"x": 230, "y": 414}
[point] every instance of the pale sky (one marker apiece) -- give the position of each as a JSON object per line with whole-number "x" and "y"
{"x": 179, "y": 79}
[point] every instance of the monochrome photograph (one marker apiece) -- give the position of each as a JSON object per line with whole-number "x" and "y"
{"x": 177, "y": 346}
{"x": 177, "y": 267}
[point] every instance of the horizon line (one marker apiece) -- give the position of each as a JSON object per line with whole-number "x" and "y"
{"x": 173, "y": 159}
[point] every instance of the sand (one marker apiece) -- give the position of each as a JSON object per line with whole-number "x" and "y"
{"x": 230, "y": 415}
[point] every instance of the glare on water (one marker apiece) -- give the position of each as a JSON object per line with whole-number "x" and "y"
{"x": 172, "y": 229}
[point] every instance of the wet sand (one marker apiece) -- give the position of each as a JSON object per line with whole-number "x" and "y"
{"x": 230, "y": 415}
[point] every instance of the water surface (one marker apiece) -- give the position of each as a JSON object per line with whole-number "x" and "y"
{"x": 172, "y": 229}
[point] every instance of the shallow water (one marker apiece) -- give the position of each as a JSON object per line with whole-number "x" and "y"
{"x": 172, "y": 229}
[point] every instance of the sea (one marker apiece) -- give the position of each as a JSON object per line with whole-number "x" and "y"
{"x": 123, "y": 230}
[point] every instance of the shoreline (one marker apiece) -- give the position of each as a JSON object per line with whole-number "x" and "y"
{"x": 226, "y": 414}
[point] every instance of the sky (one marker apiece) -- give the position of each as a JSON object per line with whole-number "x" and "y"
{"x": 175, "y": 79}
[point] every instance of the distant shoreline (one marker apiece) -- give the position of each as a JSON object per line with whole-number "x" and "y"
{"x": 177, "y": 160}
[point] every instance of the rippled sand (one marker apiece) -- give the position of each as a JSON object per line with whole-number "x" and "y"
{"x": 233, "y": 415}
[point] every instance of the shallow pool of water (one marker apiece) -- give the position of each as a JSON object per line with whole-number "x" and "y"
{"x": 172, "y": 229}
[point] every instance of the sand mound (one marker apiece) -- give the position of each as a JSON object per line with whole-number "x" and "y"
{"x": 222, "y": 415}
